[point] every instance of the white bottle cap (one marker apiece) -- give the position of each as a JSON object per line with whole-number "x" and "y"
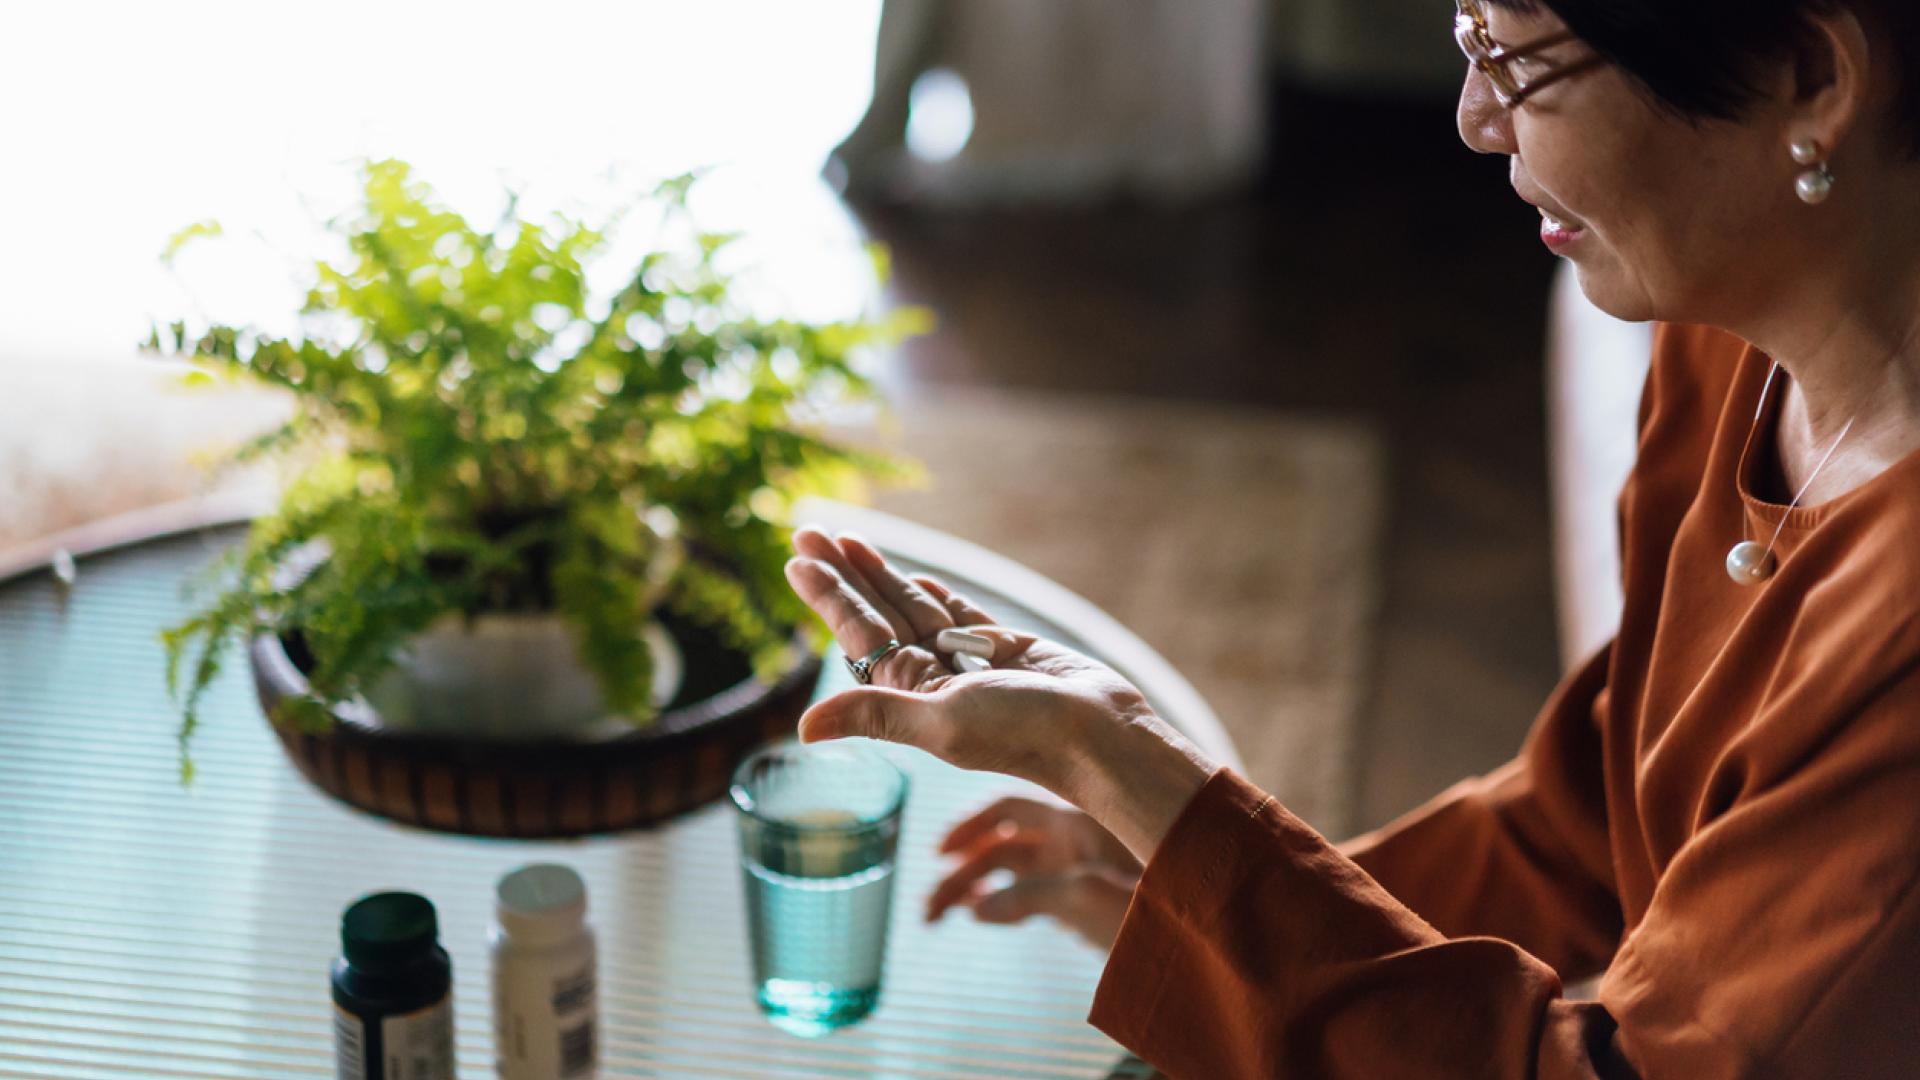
{"x": 542, "y": 902}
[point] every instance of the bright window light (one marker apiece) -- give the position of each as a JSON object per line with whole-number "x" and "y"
{"x": 125, "y": 122}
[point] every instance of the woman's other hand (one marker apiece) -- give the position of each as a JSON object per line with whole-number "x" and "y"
{"x": 1043, "y": 713}
{"x": 1061, "y": 862}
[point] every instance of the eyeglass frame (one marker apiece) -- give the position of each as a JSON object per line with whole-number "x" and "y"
{"x": 1490, "y": 58}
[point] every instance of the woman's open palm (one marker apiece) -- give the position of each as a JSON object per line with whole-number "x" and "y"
{"x": 1009, "y": 719}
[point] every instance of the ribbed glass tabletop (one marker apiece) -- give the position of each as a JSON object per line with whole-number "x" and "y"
{"x": 150, "y": 930}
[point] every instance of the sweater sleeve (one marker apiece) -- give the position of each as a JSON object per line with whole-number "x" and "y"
{"x": 1782, "y": 942}
{"x": 1523, "y": 853}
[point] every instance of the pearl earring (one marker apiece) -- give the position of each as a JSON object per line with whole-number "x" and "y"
{"x": 1814, "y": 185}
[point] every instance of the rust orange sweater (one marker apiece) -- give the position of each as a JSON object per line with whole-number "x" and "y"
{"x": 1721, "y": 811}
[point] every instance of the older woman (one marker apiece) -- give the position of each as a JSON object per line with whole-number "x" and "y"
{"x": 1721, "y": 810}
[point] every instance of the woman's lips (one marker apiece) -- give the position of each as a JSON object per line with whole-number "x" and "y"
{"x": 1557, "y": 234}
{"x": 1558, "y": 231}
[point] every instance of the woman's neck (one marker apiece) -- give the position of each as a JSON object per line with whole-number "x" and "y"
{"x": 1852, "y": 361}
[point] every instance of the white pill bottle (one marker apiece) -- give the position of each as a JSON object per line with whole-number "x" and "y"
{"x": 546, "y": 1004}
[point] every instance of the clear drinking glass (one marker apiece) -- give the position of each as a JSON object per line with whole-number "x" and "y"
{"x": 819, "y": 826}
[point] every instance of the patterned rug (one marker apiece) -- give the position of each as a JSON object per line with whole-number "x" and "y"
{"x": 1241, "y": 544}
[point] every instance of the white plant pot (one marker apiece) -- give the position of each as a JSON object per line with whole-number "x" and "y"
{"x": 507, "y": 677}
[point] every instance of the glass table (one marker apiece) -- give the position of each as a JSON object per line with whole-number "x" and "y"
{"x": 150, "y": 930}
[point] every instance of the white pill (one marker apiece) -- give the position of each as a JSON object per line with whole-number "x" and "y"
{"x": 967, "y": 663}
{"x": 960, "y": 641}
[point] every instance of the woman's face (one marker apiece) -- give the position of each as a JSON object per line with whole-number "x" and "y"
{"x": 1661, "y": 218}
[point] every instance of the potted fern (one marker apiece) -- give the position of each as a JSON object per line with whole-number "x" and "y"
{"x": 515, "y": 510}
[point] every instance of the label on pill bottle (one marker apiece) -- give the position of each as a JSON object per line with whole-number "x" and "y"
{"x": 419, "y": 1045}
{"x": 544, "y": 1021}
{"x": 349, "y": 1046}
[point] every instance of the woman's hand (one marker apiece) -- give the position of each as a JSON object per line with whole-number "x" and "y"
{"x": 1044, "y": 713}
{"x": 1063, "y": 865}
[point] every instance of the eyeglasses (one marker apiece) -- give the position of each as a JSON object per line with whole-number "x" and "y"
{"x": 1501, "y": 64}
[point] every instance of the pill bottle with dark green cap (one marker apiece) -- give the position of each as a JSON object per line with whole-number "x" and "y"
{"x": 392, "y": 992}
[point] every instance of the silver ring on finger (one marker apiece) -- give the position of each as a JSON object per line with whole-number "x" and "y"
{"x": 863, "y": 668}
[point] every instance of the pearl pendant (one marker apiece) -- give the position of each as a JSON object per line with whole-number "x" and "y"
{"x": 1749, "y": 563}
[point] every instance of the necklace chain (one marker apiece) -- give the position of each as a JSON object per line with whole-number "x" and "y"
{"x": 1811, "y": 477}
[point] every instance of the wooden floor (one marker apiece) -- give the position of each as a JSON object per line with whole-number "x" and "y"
{"x": 1381, "y": 271}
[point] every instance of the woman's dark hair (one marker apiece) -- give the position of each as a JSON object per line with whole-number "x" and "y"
{"x": 1705, "y": 58}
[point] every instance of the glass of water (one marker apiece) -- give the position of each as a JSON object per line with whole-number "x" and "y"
{"x": 819, "y": 826}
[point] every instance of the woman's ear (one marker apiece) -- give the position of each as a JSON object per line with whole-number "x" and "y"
{"x": 1832, "y": 79}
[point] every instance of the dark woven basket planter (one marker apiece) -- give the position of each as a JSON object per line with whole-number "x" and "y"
{"x": 627, "y": 780}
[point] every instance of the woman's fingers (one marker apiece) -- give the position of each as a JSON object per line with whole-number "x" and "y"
{"x": 1071, "y": 829}
{"x": 867, "y": 603}
{"x": 861, "y": 630}
{"x": 1092, "y": 903}
{"x": 1013, "y": 810}
{"x": 812, "y": 543}
{"x": 926, "y": 615}
{"x": 1020, "y": 852}
{"x": 1069, "y": 877}
{"x": 964, "y": 611}
{"x": 857, "y": 625}
{"x": 862, "y": 624}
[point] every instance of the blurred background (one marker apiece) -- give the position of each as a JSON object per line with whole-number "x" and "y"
{"x": 1233, "y": 336}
